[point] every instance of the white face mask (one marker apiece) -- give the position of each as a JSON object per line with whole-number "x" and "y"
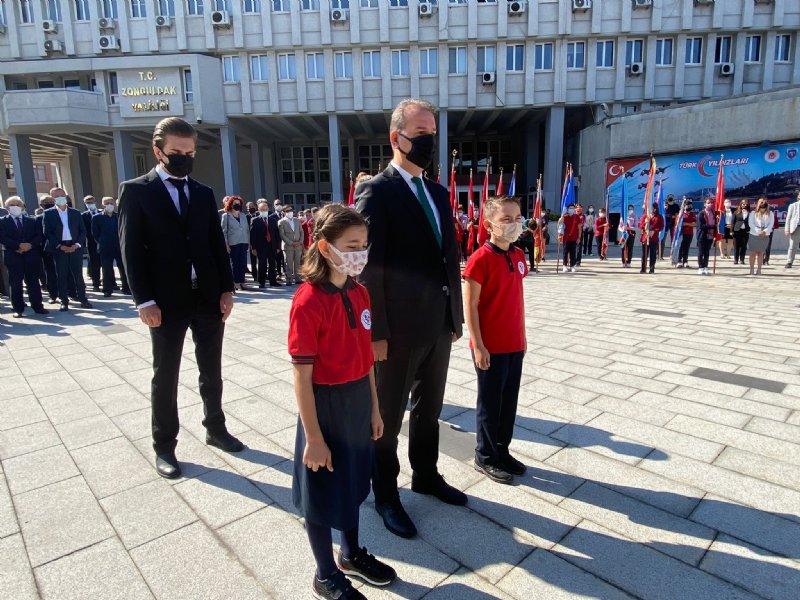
{"x": 289, "y": 214}
{"x": 571, "y": 211}
{"x": 591, "y": 211}
{"x": 15, "y": 211}
{"x": 353, "y": 262}
{"x": 109, "y": 208}
{"x": 61, "y": 201}
{"x": 511, "y": 231}
{"x": 91, "y": 206}
{"x": 264, "y": 213}
{"x": 602, "y": 215}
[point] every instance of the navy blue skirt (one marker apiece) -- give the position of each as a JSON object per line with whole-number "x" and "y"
{"x": 333, "y": 499}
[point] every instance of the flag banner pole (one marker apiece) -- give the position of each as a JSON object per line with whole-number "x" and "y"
{"x": 719, "y": 206}
{"x": 538, "y": 248}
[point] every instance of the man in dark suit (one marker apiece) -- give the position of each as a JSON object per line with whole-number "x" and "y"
{"x": 262, "y": 241}
{"x": 47, "y": 274}
{"x": 415, "y": 289}
{"x": 65, "y": 236}
{"x": 22, "y": 241}
{"x": 179, "y": 273}
{"x": 91, "y": 243}
{"x": 4, "y": 284}
{"x": 105, "y": 229}
{"x": 274, "y": 219}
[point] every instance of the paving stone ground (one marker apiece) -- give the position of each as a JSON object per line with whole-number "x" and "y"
{"x": 659, "y": 416}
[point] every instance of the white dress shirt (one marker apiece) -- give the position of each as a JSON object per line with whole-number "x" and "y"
{"x": 66, "y": 235}
{"x": 407, "y": 176}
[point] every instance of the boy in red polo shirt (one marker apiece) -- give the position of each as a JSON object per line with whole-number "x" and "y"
{"x": 496, "y": 321}
{"x": 570, "y": 234}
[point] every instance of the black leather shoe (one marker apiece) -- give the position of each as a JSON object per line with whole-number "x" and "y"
{"x": 53, "y": 301}
{"x": 106, "y": 294}
{"x": 224, "y": 441}
{"x": 167, "y": 466}
{"x": 17, "y": 314}
{"x": 494, "y": 473}
{"x": 396, "y": 519}
{"x": 440, "y": 489}
{"x": 64, "y": 308}
{"x": 512, "y": 465}
{"x": 86, "y": 304}
{"x": 41, "y": 311}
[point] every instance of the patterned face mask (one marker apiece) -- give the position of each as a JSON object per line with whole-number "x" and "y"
{"x": 352, "y": 262}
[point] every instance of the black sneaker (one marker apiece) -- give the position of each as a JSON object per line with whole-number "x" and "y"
{"x": 494, "y": 473}
{"x": 335, "y": 587}
{"x": 513, "y": 466}
{"x": 365, "y": 566}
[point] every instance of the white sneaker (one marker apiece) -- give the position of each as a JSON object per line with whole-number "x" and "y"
{"x": 707, "y": 271}
{"x": 701, "y": 271}
{"x": 574, "y": 269}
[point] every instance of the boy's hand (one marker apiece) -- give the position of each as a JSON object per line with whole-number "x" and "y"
{"x": 482, "y": 359}
{"x": 317, "y": 455}
{"x": 377, "y": 425}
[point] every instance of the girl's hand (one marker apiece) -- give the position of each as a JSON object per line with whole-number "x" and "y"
{"x": 377, "y": 425}
{"x": 481, "y": 358}
{"x": 228, "y": 248}
{"x": 317, "y": 455}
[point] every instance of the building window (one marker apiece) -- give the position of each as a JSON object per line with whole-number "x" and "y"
{"x": 493, "y": 152}
{"x": 369, "y": 3}
{"x": 108, "y": 9}
{"x": 53, "y": 12}
{"x": 280, "y": 6}
{"x": 543, "y": 57}
{"x": 72, "y": 84}
{"x": 458, "y": 61}
{"x": 252, "y": 6}
{"x": 664, "y": 52}
{"x": 633, "y": 52}
{"x": 82, "y": 10}
{"x": 486, "y": 62}
{"x": 373, "y": 158}
{"x": 722, "y": 51}
{"x": 188, "y": 86}
{"x": 166, "y": 8}
{"x": 286, "y": 67}
{"x": 194, "y": 7}
{"x": 372, "y": 63}
{"x": 782, "y": 48}
{"x": 399, "y": 63}
{"x": 428, "y": 61}
{"x": 259, "y": 68}
{"x": 3, "y": 18}
{"x": 694, "y": 51}
{"x": 222, "y": 5}
{"x": 309, "y": 5}
{"x": 576, "y": 55}
{"x": 343, "y": 65}
{"x": 605, "y": 54}
{"x": 113, "y": 87}
{"x": 230, "y": 65}
{"x": 457, "y": 1}
{"x": 26, "y": 11}
{"x": 629, "y": 109}
{"x": 397, "y": 3}
{"x": 341, "y": 4}
{"x": 323, "y": 166}
{"x": 138, "y": 9}
{"x": 297, "y": 164}
{"x": 752, "y": 49}
{"x": 315, "y": 65}
{"x": 515, "y": 57}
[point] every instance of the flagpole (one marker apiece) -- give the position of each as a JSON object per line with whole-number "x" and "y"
{"x": 563, "y": 208}
{"x": 717, "y": 212}
{"x": 537, "y": 214}
{"x": 624, "y": 216}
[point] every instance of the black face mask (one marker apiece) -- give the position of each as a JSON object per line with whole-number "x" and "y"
{"x": 422, "y": 149}
{"x": 237, "y": 207}
{"x": 252, "y": 211}
{"x": 179, "y": 165}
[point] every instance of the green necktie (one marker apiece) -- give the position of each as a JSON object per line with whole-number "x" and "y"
{"x": 426, "y": 206}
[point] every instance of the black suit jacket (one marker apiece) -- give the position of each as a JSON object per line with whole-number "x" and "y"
{"x": 159, "y": 249}
{"x": 274, "y": 233}
{"x": 414, "y": 285}
{"x": 105, "y": 230}
{"x": 53, "y": 228}
{"x": 258, "y": 235}
{"x": 87, "y": 223}
{"x": 11, "y": 238}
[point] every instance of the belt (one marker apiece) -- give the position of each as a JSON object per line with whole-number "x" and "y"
{"x": 195, "y": 284}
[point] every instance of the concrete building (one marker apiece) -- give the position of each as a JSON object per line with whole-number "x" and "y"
{"x": 290, "y": 96}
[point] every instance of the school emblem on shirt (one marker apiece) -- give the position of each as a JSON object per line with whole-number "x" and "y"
{"x": 521, "y": 267}
{"x": 366, "y": 319}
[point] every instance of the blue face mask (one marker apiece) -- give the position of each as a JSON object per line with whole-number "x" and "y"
{"x": 571, "y": 211}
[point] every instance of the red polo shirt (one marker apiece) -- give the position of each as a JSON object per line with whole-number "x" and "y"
{"x": 501, "y": 308}
{"x": 572, "y": 228}
{"x": 689, "y": 219}
{"x": 331, "y": 329}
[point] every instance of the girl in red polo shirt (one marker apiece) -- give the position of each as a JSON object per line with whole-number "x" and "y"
{"x": 331, "y": 348}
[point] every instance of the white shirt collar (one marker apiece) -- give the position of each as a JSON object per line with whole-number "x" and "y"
{"x": 162, "y": 172}
{"x": 405, "y": 174}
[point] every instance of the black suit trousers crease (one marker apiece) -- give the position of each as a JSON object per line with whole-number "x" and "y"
{"x": 25, "y": 269}
{"x": 69, "y": 273}
{"x": 95, "y": 262}
{"x": 205, "y": 322}
{"x": 107, "y": 263}
{"x": 421, "y": 373}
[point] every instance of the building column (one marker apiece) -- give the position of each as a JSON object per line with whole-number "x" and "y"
{"x": 271, "y": 175}
{"x": 123, "y": 156}
{"x": 257, "y": 156}
{"x": 444, "y": 149}
{"x": 335, "y": 158}
{"x": 20, "y": 146}
{"x": 230, "y": 160}
{"x": 553, "y": 157}
{"x": 3, "y": 180}
{"x": 532, "y": 158}
{"x": 81, "y": 174}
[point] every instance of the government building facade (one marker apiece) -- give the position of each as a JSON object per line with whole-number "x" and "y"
{"x": 292, "y": 96}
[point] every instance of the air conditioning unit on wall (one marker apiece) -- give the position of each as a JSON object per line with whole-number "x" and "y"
{"x": 221, "y": 18}
{"x": 581, "y": 5}
{"x": 108, "y": 42}
{"x": 53, "y": 46}
{"x": 106, "y": 24}
{"x": 642, "y": 3}
{"x": 726, "y": 69}
{"x": 425, "y": 9}
{"x": 163, "y": 22}
{"x": 636, "y": 68}
{"x": 49, "y": 26}
{"x": 339, "y": 15}
{"x": 516, "y": 7}
{"x": 488, "y": 78}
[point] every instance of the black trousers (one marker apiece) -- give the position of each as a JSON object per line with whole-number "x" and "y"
{"x": 740, "y": 244}
{"x": 599, "y": 240}
{"x": 498, "y": 392}
{"x": 280, "y": 262}
{"x": 588, "y": 238}
{"x": 48, "y": 275}
{"x": 207, "y": 327}
{"x": 570, "y": 254}
{"x": 25, "y": 268}
{"x": 627, "y": 255}
{"x": 683, "y": 254}
{"x": 266, "y": 267}
{"x": 649, "y": 253}
{"x": 526, "y": 245}
{"x": 95, "y": 263}
{"x": 69, "y": 270}
{"x": 419, "y": 373}
{"x": 703, "y": 250}
{"x": 107, "y": 263}
{"x": 254, "y": 266}
{"x": 769, "y": 247}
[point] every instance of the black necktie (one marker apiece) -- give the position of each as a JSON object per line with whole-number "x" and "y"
{"x": 183, "y": 199}
{"x": 19, "y": 224}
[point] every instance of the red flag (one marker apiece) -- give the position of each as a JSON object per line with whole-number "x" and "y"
{"x": 648, "y": 192}
{"x": 719, "y": 205}
{"x": 483, "y": 233}
{"x": 453, "y": 194}
{"x": 537, "y": 216}
{"x": 499, "y": 191}
{"x": 470, "y": 199}
{"x": 351, "y": 200}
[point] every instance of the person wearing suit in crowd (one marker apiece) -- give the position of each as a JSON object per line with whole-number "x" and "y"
{"x": 65, "y": 235}
{"x": 47, "y": 273}
{"x": 55, "y": 193}
{"x": 276, "y": 216}
{"x": 252, "y": 212}
{"x": 179, "y": 273}
{"x": 4, "y": 283}
{"x": 22, "y": 242}
{"x": 792, "y": 230}
{"x": 236, "y": 231}
{"x": 105, "y": 228}
{"x": 741, "y": 231}
{"x": 91, "y": 243}
{"x": 417, "y": 313}
{"x": 262, "y": 244}
{"x": 291, "y": 232}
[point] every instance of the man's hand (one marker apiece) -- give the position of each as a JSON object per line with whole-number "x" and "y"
{"x": 226, "y": 305}
{"x": 455, "y": 337}
{"x": 254, "y": 252}
{"x": 24, "y": 247}
{"x": 151, "y": 315}
{"x": 380, "y": 350}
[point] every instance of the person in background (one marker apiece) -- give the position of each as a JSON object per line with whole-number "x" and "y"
{"x": 280, "y": 259}
{"x": 463, "y": 219}
{"x": 581, "y": 223}
{"x": 526, "y": 241}
{"x": 252, "y": 211}
{"x": 600, "y": 229}
{"x": 262, "y": 242}
{"x": 5, "y": 286}
{"x": 726, "y": 243}
{"x": 544, "y": 224}
{"x": 57, "y": 193}
{"x": 308, "y": 228}
{"x": 651, "y": 227}
{"x": 105, "y": 228}
{"x": 588, "y": 232}
{"x": 47, "y": 274}
{"x": 21, "y": 241}
{"x": 630, "y": 226}
{"x": 237, "y": 237}
{"x": 791, "y": 229}
{"x": 741, "y": 232}
{"x": 775, "y": 225}
{"x": 569, "y": 235}
{"x": 291, "y": 232}
{"x": 671, "y": 210}
{"x": 706, "y": 233}
{"x": 760, "y": 224}
{"x": 91, "y": 244}
{"x": 687, "y": 233}
{"x": 361, "y": 178}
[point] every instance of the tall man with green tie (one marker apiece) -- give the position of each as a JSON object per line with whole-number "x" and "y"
{"x": 413, "y": 277}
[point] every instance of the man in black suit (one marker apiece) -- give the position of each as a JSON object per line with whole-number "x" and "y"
{"x": 4, "y": 284}
{"x": 47, "y": 274}
{"x": 22, "y": 242}
{"x": 263, "y": 231}
{"x": 105, "y": 228}
{"x": 413, "y": 278}
{"x": 91, "y": 243}
{"x": 65, "y": 236}
{"x": 179, "y": 273}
